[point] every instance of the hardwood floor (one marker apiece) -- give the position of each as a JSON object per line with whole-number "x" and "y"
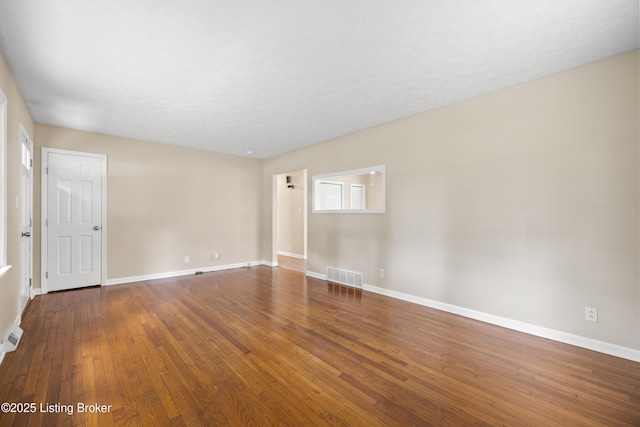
{"x": 291, "y": 263}
{"x": 268, "y": 346}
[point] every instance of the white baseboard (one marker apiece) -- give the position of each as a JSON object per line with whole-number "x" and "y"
{"x": 3, "y": 270}
{"x": 169, "y": 274}
{"x": 539, "y": 331}
{"x": 11, "y": 326}
{"x": 316, "y": 275}
{"x": 292, "y": 255}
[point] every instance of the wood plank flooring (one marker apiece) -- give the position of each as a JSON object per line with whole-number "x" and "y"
{"x": 291, "y": 263}
{"x": 267, "y": 346}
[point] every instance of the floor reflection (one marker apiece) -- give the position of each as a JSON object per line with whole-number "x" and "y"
{"x": 345, "y": 292}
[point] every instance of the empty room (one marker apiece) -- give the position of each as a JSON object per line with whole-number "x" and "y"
{"x": 308, "y": 213}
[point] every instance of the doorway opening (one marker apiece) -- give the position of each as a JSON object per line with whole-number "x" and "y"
{"x": 290, "y": 220}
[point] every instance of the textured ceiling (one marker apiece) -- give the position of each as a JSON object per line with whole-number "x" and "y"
{"x": 274, "y": 76}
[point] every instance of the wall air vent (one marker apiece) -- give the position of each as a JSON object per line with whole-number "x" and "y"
{"x": 345, "y": 277}
{"x": 12, "y": 339}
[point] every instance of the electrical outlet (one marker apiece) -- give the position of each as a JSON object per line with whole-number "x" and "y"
{"x": 591, "y": 314}
{"x": 382, "y": 272}
{"x": 186, "y": 259}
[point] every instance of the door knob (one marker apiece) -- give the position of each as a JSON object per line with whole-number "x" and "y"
{"x": 26, "y": 234}
{"x": 97, "y": 227}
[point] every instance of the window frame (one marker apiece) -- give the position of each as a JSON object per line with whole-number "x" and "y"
{"x": 381, "y": 169}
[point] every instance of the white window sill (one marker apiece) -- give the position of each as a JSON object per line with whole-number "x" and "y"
{"x": 3, "y": 270}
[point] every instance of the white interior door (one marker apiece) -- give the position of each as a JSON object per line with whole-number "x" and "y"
{"x": 26, "y": 215}
{"x": 74, "y": 220}
{"x": 357, "y": 196}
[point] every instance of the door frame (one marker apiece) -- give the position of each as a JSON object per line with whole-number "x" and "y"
{"x": 22, "y": 132}
{"x": 44, "y": 238}
{"x": 275, "y": 211}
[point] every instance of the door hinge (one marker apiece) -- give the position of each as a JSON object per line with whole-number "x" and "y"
{"x": 46, "y": 171}
{"x": 46, "y": 222}
{"x": 46, "y": 275}
{"x": 31, "y": 162}
{"x": 29, "y": 282}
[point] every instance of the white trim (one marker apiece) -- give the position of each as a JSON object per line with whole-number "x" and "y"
{"x": 10, "y": 328}
{"x": 3, "y": 270}
{"x": 29, "y": 143}
{"x": 43, "y": 216}
{"x": 516, "y": 325}
{"x": 316, "y": 275}
{"x": 169, "y": 274}
{"x": 289, "y": 254}
{"x": 35, "y": 292}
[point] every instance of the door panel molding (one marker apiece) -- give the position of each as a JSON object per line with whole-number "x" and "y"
{"x": 25, "y": 217}
{"x": 44, "y": 280}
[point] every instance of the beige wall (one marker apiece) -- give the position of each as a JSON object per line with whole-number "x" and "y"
{"x": 523, "y": 203}
{"x": 17, "y": 113}
{"x": 166, "y": 202}
{"x": 291, "y": 213}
